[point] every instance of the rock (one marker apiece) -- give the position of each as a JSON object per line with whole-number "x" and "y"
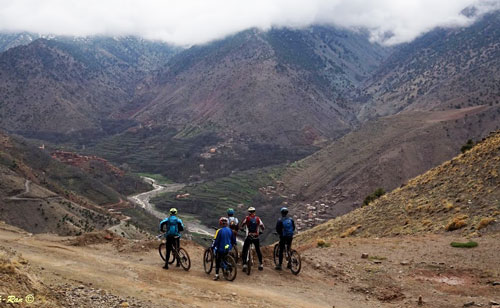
{"x": 405, "y": 262}
{"x": 493, "y": 303}
{"x": 469, "y": 304}
{"x": 364, "y": 256}
{"x": 124, "y": 304}
{"x": 496, "y": 283}
{"x": 317, "y": 265}
{"x": 420, "y": 300}
{"x": 377, "y": 261}
{"x": 233, "y": 294}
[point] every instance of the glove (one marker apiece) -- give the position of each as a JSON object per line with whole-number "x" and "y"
{"x": 226, "y": 247}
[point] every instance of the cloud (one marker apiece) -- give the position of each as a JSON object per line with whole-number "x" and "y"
{"x": 187, "y": 22}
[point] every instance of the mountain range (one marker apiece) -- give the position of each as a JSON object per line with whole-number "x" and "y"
{"x": 340, "y": 115}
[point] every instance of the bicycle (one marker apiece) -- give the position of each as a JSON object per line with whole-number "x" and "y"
{"x": 292, "y": 256}
{"x": 250, "y": 256}
{"x": 228, "y": 264}
{"x": 178, "y": 253}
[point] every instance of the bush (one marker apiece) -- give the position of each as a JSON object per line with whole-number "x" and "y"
{"x": 350, "y": 231}
{"x": 373, "y": 196}
{"x": 469, "y": 244}
{"x": 321, "y": 243}
{"x": 485, "y": 222}
{"x": 457, "y": 223}
{"x": 469, "y": 145}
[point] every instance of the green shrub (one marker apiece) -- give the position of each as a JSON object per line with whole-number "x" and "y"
{"x": 373, "y": 196}
{"x": 469, "y": 244}
{"x": 467, "y": 146}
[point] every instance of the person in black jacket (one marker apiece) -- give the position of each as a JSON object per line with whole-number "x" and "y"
{"x": 285, "y": 228}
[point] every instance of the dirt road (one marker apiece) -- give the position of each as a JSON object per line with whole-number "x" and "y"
{"x": 143, "y": 199}
{"x": 396, "y": 272}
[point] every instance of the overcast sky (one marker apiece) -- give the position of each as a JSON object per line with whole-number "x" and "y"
{"x": 187, "y": 22}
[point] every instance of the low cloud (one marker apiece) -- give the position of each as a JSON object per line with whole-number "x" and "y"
{"x": 188, "y": 22}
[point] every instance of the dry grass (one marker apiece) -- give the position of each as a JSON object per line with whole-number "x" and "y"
{"x": 350, "y": 231}
{"x": 322, "y": 243}
{"x": 457, "y": 222}
{"x": 7, "y": 268}
{"x": 448, "y": 205}
{"x": 485, "y": 222}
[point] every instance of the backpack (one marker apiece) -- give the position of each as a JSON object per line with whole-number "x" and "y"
{"x": 253, "y": 224}
{"x": 287, "y": 226}
{"x": 172, "y": 226}
{"x": 233, "y": 223}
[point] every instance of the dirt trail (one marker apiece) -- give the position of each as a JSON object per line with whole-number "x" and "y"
{"x": 335, "y": 276}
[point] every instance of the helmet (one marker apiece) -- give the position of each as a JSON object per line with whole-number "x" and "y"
{"x": 230, "y": 211}
{"x": 251, "y": 209}
{"x": 173, "y": 211}
{"x": 284, "y": 210}
{"x": 223, "y": 221}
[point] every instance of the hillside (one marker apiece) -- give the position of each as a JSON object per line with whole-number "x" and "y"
{"x": 461, "y": 194}
{"x": 62, "y": 89}
{"x": 281, "y": 87}
{"x": 56, "y": 197}
{"x": 442, "y": 69}
{"x": 383, "y": 153}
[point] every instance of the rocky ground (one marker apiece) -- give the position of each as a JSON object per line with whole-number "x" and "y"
{"x": 64, "y": 272}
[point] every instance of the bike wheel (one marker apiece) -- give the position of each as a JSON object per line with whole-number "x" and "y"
{"x": 276, "y": 254}
{"x": 249, "y": 259}
{"x": 161, "y": 250}
{"x": 296, "y": 264}
{"x": 172, "y": 257}
{"x": 229, "y": 269}
{"x": 234, "y": 254}
{"x": 184, "y": 259}
{"x": 208, "y": 260}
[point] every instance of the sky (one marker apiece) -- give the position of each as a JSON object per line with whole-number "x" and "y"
{"x": 189, "y": 22}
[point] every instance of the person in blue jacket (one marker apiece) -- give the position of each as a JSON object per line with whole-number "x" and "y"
{"x": 223, "y": 243}
{"x": 172, "y": 226}
{"x": 285, "y": 228}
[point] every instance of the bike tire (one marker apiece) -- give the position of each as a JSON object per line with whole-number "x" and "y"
{"x": 249, "y": 260}
{"x": 184, "y": 259}
{"x": 231, "y": 270}
{"x": 295, "y": 261}
{"x": 172, "y": 258}
{"x": 208, "y": 260}
{"x": 162, "y": 251}
{"x": 276, "y": 252}
{"x": 234, "y": 253}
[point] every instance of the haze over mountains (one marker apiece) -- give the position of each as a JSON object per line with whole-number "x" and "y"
{"x": 261, "y": 98}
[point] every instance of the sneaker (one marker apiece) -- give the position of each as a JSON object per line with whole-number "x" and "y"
{"x": 244, "y": 268}
{"x": 278, "y": 267}
{"x": 261, "y": 267}
{"x": 165, "y": 266}
{"x": 216, "y": 277}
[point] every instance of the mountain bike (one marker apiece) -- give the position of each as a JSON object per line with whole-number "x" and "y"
{"x": 250, "y": 256}
{"x": 234, "y": 253}
{"x": 178, "y": 253}
{"x": 228, "y": 264}
{"x": 292, "y": 257}
{"x": 208, "y": 259}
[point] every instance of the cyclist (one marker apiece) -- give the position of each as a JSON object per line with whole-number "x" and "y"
{"x": 285, "y": 228}
{"x": 232, "y": 221}
{"x": 224, "y": 240}
{"x": 173, "y": 226}
{"x": 254, "y": 227}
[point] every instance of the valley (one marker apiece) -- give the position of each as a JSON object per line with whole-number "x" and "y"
{"x": 387, "y": 158}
